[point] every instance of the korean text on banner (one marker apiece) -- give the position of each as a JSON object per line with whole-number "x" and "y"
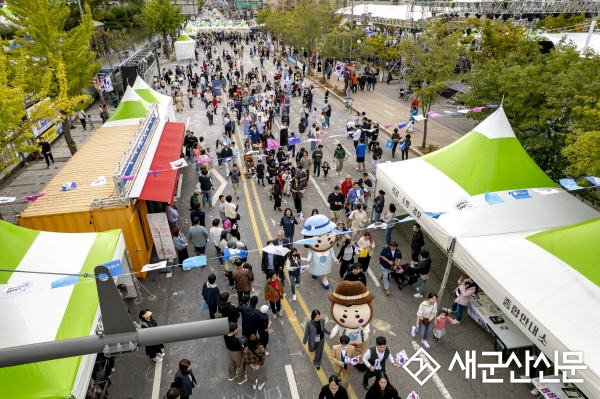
{"x": 161, "y": 235}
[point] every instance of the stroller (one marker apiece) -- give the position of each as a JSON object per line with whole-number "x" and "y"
{"x": 404, "y": 273}
{"x": 249, "y": 164}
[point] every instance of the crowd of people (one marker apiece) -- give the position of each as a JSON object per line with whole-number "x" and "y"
{"x": 252, "y": 103}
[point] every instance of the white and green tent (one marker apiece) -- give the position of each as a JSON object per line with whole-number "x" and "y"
{"x": 44, "y": 314}
{"x": 185, "y": 48}
{"x": 482, "y": 184}
{"x": 548, "y": 283}
{"x": 130, "y": 110}
{"x": 166, "y": 110}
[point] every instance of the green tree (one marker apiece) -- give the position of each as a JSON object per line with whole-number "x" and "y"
{"x": 583, "y": 142}
{"x": 495, "y": 38}
{"x": 375, "y": 46}
{"x": 540, "y": 93}
{"x": 334, "y": 45}
{"x": 162, "y": 17}
{"x": 50, "y": 48}
{"x": 16, "y": 135}
{"x": 432, "y": 60}
{"x": 574, "y": 23}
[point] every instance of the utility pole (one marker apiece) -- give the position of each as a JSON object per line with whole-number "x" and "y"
{"x": 351, "y": 27}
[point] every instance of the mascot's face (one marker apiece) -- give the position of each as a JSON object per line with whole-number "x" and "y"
{"x": 352, "y": 316}
{"x": 324, "y": 242}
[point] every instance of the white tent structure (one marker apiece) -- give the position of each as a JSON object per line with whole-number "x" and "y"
{"x": 483, "y": 184}
{"x": 130, "y": 110}
{"x": 399, "y": 12}
{"x": 185, "y": 48}
{"x": 46, "y": 311}
{"x": 548, "y": 284}
{"x": 147, "y": 93}
{"x": 578, "y": 39}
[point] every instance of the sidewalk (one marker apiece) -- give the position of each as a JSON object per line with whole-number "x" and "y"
{"x": 31, "y": 179}
{"x": 384, "y": 111}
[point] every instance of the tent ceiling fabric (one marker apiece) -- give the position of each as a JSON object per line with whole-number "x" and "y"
{"x": 549, "y": 292}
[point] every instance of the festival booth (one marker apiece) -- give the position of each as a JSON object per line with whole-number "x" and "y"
{"x": 485, "y": 183}
{"x": 91, "y": 193}
{"x": 185, "y": 48}
{"x": 39, "y": 308}
{"x": 548, "y": 284}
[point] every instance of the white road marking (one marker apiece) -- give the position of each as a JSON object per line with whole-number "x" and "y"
{"x": 292, "y": 381}
{"x": 221, "y": 187}
{"x": 156, "y": 381}
{"x": 385, "y": 105}
{"x": 319, "y": 190}
{"x": 436, "y": 379}
{"x": 179, "y": 184}
{"x": 389, "y": 113}
{"x": 372, "y": 275}
{"x": 187, "y": 123}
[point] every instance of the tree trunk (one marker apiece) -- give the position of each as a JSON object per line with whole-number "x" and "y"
{"x": 100, "y": 96}
{"x": 425, "y": 111}
{"x": 166, "y": 45}
{"x": 67, "y": 133}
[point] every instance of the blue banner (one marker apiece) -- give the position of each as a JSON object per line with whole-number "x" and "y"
{"x": 234, "y": 253}
{"x": 570, "y": 184}
{"x": 594, "y": 180}
{"x": 292, "y": 60}
{"x": 196, "y": 261}
{"x": 115, "y": 267}
{"x": 493, "y": 198}
{"x": 65, "y": 281}
{"x": 519, "y": 194}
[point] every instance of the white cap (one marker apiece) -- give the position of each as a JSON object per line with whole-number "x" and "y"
{"x": 264, "y": 309}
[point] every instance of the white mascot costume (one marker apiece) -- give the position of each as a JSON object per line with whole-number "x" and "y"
{"x": 321, "y": 255}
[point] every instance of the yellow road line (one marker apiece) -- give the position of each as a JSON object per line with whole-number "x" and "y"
{"x": 286, "y": 305}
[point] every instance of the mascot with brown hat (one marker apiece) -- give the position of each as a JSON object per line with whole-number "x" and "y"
{"x": 352, "y": 310}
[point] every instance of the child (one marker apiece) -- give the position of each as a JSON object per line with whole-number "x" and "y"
{"x": 341, "y": 226}
{"x": 439, "y": 330}
{"x": 325, "y": 168}
{"x": 212, "y": 159}
{"x": 277, "y": 197}
{"x": 286, "y": 177}
{"x": 260, "y": 172}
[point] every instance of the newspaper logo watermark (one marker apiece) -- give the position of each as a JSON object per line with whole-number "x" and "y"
{"x": 425, "y": 362}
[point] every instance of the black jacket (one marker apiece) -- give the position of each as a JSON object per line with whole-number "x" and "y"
{"x": 278, "y": 262}
{"x": 375, "y": 392}
{"x": 378, "y": 204}
{"x": 356, "y": 277}
{"x": 423, "y": 266}
{"x": 417, "y": 241}
{"x": 229, "y": 311}
{"x": 183, "y": 383}
{"x": 333, "y": 198}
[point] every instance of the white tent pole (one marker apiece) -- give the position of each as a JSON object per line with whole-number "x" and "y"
{"x": 589, "y": 35}
{"x": 447, "y": 271}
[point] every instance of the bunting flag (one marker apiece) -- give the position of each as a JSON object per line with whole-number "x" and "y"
{"x": 204, "y": 160}
{"x": 68, "y": 186}
{"x": 272, "y": 144}
{"x": 294, "y": 140}
{"x": 180, "y": 163}
{"x": 32, "y": 198}
{"x": 307, "y": 241}
{"x": 196, "y": 261}
{"x": 493, "y": 198}
{"x": 101, "y": 180}
{"x": 64, "y": 282}
{"x": 477, "y": 109}
{"x": 434, "y": 215}
{"x": 402, "y": 125}
{"x": 433, "y": 114}
{"x": 154, "y": 266}
{"x": 128, "y": 177}
{"x": 154, "y": 172}
{"x": 450, "y": 112}
{"x": 492, "y": 105}
{"x": 570, "y": 184}
{"x": 594, "y": 180}
{"x": 234, "y": 253}
{"x": 546, "y": 191}
{"x": 276, "y": 250}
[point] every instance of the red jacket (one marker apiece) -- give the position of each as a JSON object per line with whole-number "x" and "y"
{"x": 345, "y": 187}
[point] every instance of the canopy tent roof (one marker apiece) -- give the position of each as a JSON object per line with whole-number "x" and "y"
{"x": 184, "y": 38}
{"x": 25, "y": 319}
{"x": 552, "y": 279}
{"x": 483, "y": 184}
{"x": 576, "y": 38}
{"x": 131, "y": 109}
{"x": 399, "y": 12}
{"x": 153, "y": 97}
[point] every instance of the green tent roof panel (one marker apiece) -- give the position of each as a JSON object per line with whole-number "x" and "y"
{"x": 148, "y": 95}
{"x": 129, "y": 110}
{"x": 184, "y": 38}
{"x": 489, "y": 158}
{"x": 576, "y": 245}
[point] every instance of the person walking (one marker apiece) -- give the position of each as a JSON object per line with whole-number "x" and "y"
{"x": 359, "y": 220}
{"x": 365, "y": 244}
{"x": 395, "y": 139}
{"x": 356, "y": 196}
{"x": 229, "y": 265}
{"x": 181, "y": 243}
{"x": 198, "y": 236}
{"x": 317, "y": 157}
{"x": 375, "y": 360}
{"x": 288, "y": 221}
{"x": 250, "y": 315}
{"x": 377, "y": 153}
{"x": 356, "y": 274}
{"x": 339, "y": 353}
{"x": 422, "y": 269}
{"x": 215, "y": 237}
{"x": 417, "y": 242}
{"x": 292, "y": 265}
{"x": 211, "y": 294}
{"x": 333, "y": 389}
{"x": 242, "y": 278}
{"x": 382, "y": 389}
{"x": 184, "y": 380}
{"x": 425, "y": 318}
{"x": 346, "y": 256}
{"x": 388, "y": 219}
{"x": 339, "y": 155}
{"x": 264, "y": 324}
{"x": 254, "y": 359}
{"x": 82, "y": 116}
{"x": 314, "y": 335}
{"x": 405, "y": 146}
{"x": 274, "y": 293}
{"x": 389, "y": 257}
{"x": 206, "y": 188}
{"x": 154, "y": 352}
{"x": 46, "y": 151}
{"x": 297, "y": 190}
{"x": 226, "y": 309}
{"x": 235, "y": 360}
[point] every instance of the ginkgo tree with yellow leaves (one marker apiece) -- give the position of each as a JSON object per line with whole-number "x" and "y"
{"x": 44, "y": 46}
